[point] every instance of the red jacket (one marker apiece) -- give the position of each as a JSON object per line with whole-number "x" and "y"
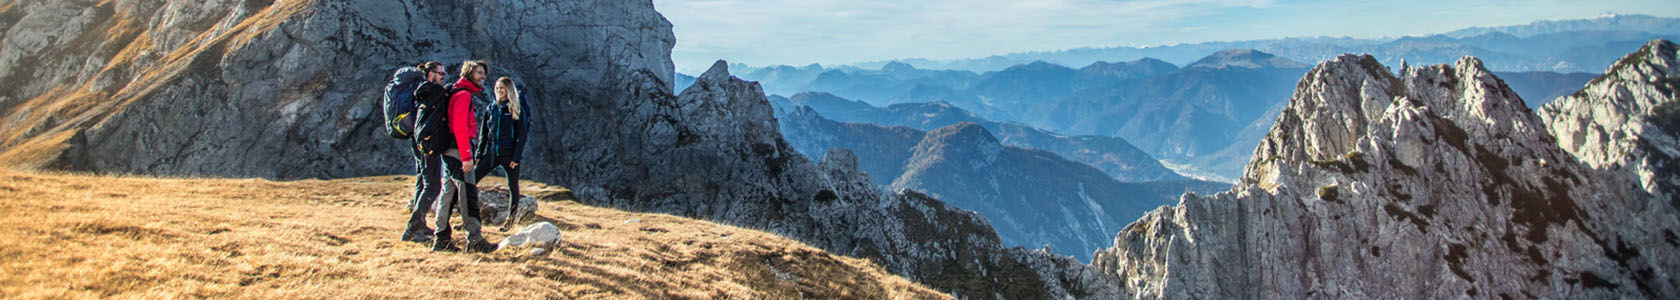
{"x": 461, "y": 117}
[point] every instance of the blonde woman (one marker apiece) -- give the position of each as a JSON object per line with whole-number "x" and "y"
{"x": 502, "y": 138}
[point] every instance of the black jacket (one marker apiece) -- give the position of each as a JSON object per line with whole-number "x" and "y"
{"x": 490, "y": 132}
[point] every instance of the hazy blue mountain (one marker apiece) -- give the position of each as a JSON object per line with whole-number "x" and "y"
{"x": 1192, "y": 112}
{"x": 1032, "y": 197}
{"x": 1539, "y": 88}
{"x": 879, "y": 86}
{"x": 1145, "y": 67}
{"x": 1111, "y": 155}
{"x": 1244, "y": 59}
{"x": 881, "y": 150}
{"x": 683, "y": 81}
{"x": 1026, "y": 84}
{"x": 781, "y": 79}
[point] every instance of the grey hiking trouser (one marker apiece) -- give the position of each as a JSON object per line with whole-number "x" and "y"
{"x": 462, "y": 194}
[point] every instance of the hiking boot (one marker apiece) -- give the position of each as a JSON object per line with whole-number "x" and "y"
{"x": 513, "y": 217}
{"x": 417, "y": 236}
{"x": 481, "y": 246}
{"x": 507, "y": 225}
{"x": 444, "y": 245}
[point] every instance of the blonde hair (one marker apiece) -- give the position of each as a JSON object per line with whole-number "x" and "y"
{"x": 512, "y": 96}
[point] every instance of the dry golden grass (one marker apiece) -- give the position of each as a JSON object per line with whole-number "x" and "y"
{"x": 79, "y": 236}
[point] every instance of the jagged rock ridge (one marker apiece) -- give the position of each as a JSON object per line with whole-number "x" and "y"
{"x": 1627, "y": 120}
{"x": 1437, "y": 183}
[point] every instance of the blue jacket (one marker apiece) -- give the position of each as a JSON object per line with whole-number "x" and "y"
{"x": 491, "y": 133}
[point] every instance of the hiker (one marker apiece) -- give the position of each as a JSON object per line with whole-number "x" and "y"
{"x": 426, "y": 166}
{"x": 458, "y": 161}
{"x": 502, "y": 141}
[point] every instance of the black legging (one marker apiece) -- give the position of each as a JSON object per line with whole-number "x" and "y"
{"x": 506, "y": 162}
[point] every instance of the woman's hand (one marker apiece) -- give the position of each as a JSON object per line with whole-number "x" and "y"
{"x": 467, "y": 166}
{"x": 514, "y": 165}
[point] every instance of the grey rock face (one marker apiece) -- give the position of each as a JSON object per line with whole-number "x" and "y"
{"x": 1627, "y": 120}
{"x": 290, "y": 89}
{"x": 1437, "y": 183}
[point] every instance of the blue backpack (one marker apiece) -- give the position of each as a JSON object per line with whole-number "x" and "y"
{"x": 399, "y": 101}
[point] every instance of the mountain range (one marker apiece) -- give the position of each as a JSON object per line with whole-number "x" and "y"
{"x": 1202, "y": 120}
{"x": 1031, "y": 197}
{"x": 1114, "y": 156}
{"x": 1582, "y": 45}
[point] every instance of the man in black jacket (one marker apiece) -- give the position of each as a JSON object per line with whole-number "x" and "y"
{"x": 427, "y": 167}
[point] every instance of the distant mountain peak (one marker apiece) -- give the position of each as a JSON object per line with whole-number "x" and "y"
{"x": 968, "y": 131}
{"x": 1245, "y": 58}
{"x": 1037, "y": 65}
{"x": 897, "y": 66}
{"x": 718, "y": 72}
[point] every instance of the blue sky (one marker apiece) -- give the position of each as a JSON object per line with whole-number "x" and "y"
{"x": 799, "y": 32}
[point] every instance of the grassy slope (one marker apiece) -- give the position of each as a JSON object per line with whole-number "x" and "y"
{"x": 101, "y": 236}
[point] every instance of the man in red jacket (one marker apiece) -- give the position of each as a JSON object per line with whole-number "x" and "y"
{"x": 458, "y": 163}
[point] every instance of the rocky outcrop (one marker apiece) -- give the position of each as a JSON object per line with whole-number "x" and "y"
{"x": 1437, "y": 183}
{"x": 289, "y": 89}
{"x": 1627, "y": 121}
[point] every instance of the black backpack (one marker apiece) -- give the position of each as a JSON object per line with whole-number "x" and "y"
{"x": 432, "y": 133}
{"x": 399, "y": 101}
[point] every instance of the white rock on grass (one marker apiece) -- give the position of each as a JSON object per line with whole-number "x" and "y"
{"x": 538, "y": 235}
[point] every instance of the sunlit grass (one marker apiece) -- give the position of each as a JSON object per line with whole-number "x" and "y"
{"x": 68, "y": 235}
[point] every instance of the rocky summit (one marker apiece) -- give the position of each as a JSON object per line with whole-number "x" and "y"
{"x": 1627, "y": 120}
{"x": 1434, "y": 183}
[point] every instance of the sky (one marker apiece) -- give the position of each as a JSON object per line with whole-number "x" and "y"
{"x": 832, "y": 32}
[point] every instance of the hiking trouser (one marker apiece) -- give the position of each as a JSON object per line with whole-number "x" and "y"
{"x": 426, "y": 185}
{"x": 462, "y": 194}
{"x": 506, "y": 163}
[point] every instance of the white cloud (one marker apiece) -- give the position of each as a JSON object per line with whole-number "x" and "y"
{"x": 843, "y": 31}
